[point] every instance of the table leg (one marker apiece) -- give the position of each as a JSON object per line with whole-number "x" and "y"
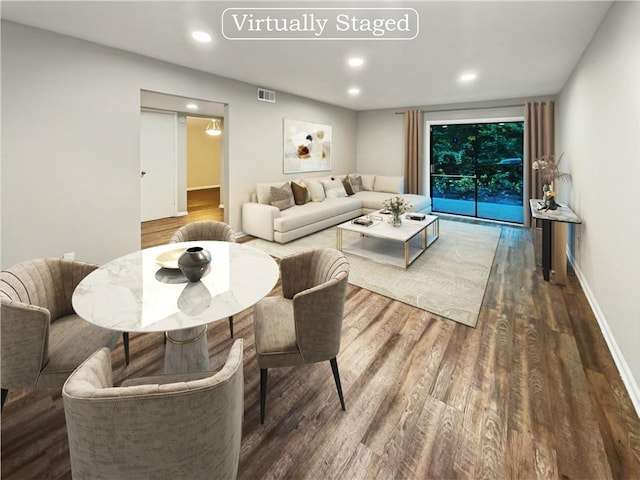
{"x": 559, "y": 253}
{"x": 187, "y": 351}
{"x": 546, "y": 248}
{"x": 406, "y": 254}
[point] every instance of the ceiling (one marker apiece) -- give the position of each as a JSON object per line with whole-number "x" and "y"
{"x": 516, "y": 48}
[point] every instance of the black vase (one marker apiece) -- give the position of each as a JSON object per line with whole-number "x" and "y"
{"x": 194, "y": 262}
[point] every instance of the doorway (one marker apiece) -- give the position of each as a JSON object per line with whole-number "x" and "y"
{"x": 204, "y": 159}
{"x": 477, "y": 169}
{"x": 182, "y": 107}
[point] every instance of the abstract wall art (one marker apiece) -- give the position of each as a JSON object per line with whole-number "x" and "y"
{"x": 306, "y": 146}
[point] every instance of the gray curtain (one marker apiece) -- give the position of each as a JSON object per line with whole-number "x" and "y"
{"x": 538, "y": 140}
{"x": 413, "y": 139}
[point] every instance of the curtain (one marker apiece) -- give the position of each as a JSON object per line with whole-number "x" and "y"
{"x": 413, "y": 166}
{"x": 538, "y": 140}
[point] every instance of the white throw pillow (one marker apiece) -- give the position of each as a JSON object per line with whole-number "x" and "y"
{"x": 389, "y": 184}
{"x": 334, "y": 188}
{"x": 367, "y": 182}
{"x": 316, "y": 190}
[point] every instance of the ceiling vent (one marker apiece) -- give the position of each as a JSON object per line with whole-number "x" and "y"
{"x": 265, "y": 95}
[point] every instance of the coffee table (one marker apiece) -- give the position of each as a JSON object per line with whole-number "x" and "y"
{"x": 384, "y": 243}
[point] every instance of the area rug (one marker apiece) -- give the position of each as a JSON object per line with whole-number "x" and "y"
{"x": 448, "y": 279}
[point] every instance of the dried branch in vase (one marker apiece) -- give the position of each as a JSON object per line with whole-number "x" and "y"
{"x": 547, "y": 168}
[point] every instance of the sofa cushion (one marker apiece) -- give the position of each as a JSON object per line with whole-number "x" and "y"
{"x": 316, "y": 190}
{"x": 300, "y": 192}
{"x": 388, "y": 184}
{"x": 334, "y": 188}
{"x": 302, "y": 215}
{"x": 419, "y": 203}
{"x": 282, "y": 197}
{"x": 356, "y": 183}
{"x": 367, "y": 182}
{"x": 372, "y": 200}
{"x": 263, "y": 191}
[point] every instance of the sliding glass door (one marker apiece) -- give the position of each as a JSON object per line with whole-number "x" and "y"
{"x": 476, "y": 170}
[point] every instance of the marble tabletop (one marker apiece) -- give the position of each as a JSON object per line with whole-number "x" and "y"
{"x": 134, "y": 294}
{"x": 561, "y": 214}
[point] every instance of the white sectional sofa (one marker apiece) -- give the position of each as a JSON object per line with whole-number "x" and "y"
{"x": 281, "y": 219}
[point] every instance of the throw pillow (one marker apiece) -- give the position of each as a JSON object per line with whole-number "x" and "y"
{"x": 389, "y": 184}
{"x": 347, "y": 186}
{"x": 300, "y": 192}
{"x": 316, "y": 190}
{"x": 356, "y": 183}
{"x": 282, "y": 197}
{"x": 334, "y": 189}
{"x": 367, "y": 182}
{"x": 263, "y": 191}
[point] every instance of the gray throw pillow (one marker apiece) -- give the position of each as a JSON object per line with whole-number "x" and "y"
{"x": 282, "y": 197}
{"x": 356, "y": 183}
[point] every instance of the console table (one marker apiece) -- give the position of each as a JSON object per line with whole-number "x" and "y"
{"x": 554, "y": 239}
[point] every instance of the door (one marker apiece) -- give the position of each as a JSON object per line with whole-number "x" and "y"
{"x": 476, "y": 170}
{"x": 158, "y": 165}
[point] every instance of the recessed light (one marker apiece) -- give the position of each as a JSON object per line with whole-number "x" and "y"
{"x": 356, "y": 61}
{"x": 202, "y": 37}
{"x": 468, "y": 77}
{"x": 192, "y": 106}
{"x": 354, "y": 91}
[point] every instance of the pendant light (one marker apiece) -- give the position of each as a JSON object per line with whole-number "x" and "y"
{"x": 213, "y": 128}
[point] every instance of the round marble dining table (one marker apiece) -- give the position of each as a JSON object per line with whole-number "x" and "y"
{"x": 145, "y": 291}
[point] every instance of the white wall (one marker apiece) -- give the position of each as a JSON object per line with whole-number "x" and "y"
{"x": 598, "y": 116}
{"x": 380, "y": 146}
{"x": 70, "y": 142}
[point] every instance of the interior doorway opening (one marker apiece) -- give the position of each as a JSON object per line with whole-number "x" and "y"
{"x": 207, "y": 200}
{"x": 204, "y": 160}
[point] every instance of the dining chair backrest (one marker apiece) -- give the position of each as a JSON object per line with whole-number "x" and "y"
{"x": 184, "y": 429}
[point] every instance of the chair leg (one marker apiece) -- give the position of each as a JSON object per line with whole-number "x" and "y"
{"x": 263, "y": 393}
{"x": 336, "y": 377}
{"x": 5, "y": 392}
{"x": 164, "y": 337}
{"x": 125, "y": 341}
{"x": 231, "y": 325}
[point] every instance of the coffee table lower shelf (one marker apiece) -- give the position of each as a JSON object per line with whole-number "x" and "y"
{"x": 384, "y": 251}
{"x": 382, "y": 245}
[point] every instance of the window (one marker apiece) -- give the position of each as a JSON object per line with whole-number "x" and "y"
{"x": 477, "y": 169}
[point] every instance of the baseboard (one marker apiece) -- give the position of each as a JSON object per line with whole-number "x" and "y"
{"x": 623, "y": 367}
{"x": 181, "y": 214}
{"x": 205, "y": 187}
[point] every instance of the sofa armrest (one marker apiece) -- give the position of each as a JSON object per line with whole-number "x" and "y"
{"x": 257, "y": 219}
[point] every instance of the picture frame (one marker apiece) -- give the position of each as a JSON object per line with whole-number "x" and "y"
{"x": 306, "y": 146}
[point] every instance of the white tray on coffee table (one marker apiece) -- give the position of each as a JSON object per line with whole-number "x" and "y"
{"x": 384, "y": 243}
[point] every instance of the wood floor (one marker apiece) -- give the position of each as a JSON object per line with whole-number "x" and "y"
{"x": 201, "y": 204}
{"x": 530, "y": 393}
